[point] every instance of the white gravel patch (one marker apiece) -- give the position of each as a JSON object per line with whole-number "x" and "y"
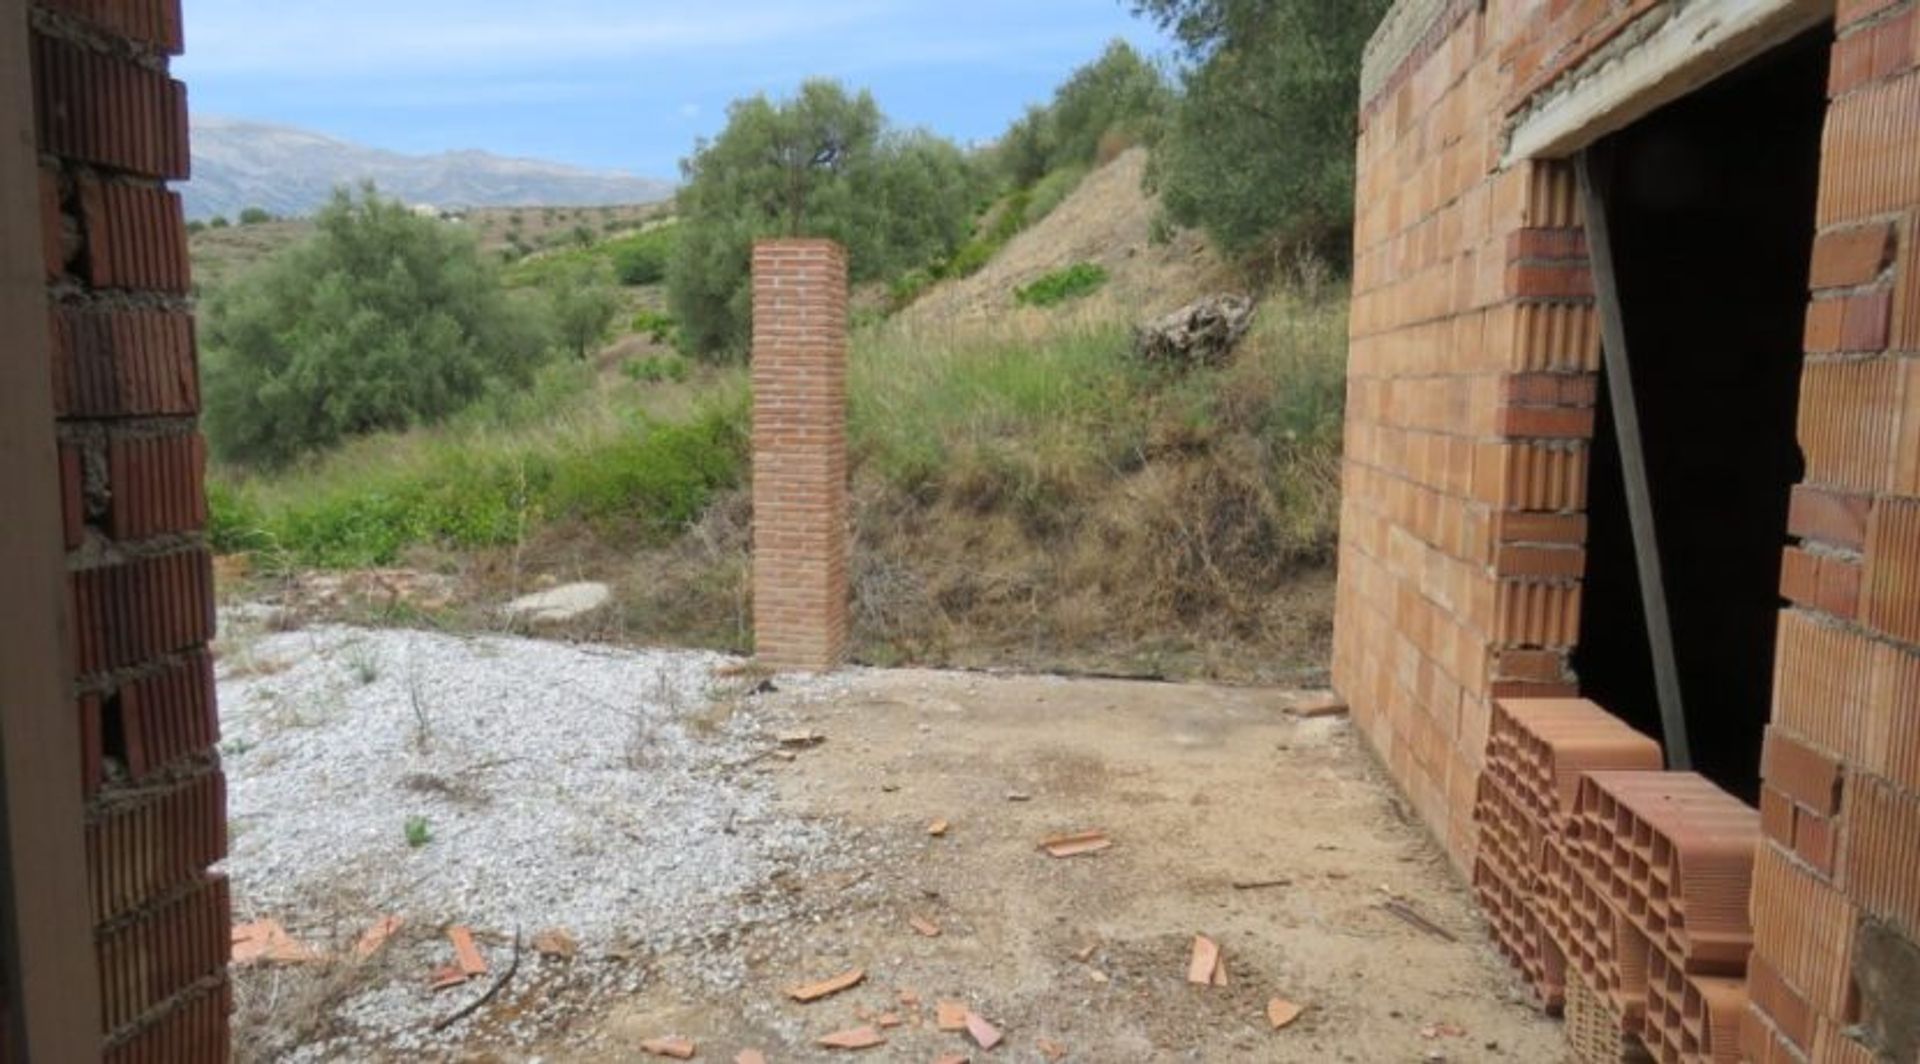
{"x": 586, "y": 788}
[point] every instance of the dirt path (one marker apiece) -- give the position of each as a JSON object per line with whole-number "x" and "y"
{"x": 1200, "y": 788}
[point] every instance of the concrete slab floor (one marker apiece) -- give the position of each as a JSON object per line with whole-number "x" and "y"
{"x": 1200, "y": 788}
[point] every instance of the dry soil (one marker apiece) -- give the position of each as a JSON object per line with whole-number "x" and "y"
{"x": 1200, "y": 788}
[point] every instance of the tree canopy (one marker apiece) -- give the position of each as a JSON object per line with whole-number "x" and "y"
{"x": 821, "y": 163}
{"x": 1260, "y": 149}
{"x": 1121, "y": 94}
{"x": 382, "y": 319}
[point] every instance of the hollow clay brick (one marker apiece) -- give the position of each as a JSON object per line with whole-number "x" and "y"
{"x": 128, "y": 362}
{"x": 1856, "y": 255}
{"x": 1675, "y": 853}
{"x": 1804, "y": 774}
{"x": 151, "y": 22}
{"x": 109, "y": 111}
{"x": 147, "y": 844}
{"x": 1804, "y": 929}
{"x": 1832, "y": 518}
{"x": 163, "y": 951}
{"x": 1557, "y": 740}
{"x": 168, "y": 714}
{"x": 194, "y": 1029}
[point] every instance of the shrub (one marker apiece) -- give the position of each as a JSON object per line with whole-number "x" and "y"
{"x": 1073, "y": 282}
{"x": 909, "y": 286}
{"x": 654, "y": 369}
{"x": 219, "y": 221}
{"x": 255, "y": 216}
{"x": 583, "y": 307}
{"x": 642, "y": 259}
{"x": 379, "y": 320}
{"x": 653, "y": 481}
{"x": 656, "y": 326}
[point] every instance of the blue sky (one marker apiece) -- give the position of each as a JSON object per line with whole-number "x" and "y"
{"x": 625, "y": 84}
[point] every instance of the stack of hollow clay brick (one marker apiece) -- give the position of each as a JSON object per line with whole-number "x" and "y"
{"x": 1672, "y": 856}
{"x": 1538, "y": 750}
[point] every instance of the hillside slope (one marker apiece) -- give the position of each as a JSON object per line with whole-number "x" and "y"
{"x": 1107, "y": 220}
{"x": 287, "y": 171}
{"x": 220, "y": 255}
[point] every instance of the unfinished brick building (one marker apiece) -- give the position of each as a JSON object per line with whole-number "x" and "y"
{"x": 116, "y": 935}
{"x": 1633, "y": 467}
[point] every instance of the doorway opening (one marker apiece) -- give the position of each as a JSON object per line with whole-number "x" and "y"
{"x": 1711, "y": 206}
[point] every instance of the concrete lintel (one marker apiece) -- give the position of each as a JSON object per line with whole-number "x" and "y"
{"x": 1702, "y": 41}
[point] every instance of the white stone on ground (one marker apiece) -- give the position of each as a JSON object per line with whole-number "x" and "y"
{"x": 569, "y": 602}
{"x": 562, "y": 786}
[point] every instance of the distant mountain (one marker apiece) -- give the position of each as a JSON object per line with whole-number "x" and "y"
{"x": 239, "y": 164}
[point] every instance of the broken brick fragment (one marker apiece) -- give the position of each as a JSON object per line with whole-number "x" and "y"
{"x": 857, "y": 1038}
{"x": 826, "y": 988}
{"x": 674, "y": 1048}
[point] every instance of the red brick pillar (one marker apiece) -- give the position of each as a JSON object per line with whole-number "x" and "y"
{"x": 112, "y": 131}
{"x": 800, "y": 615}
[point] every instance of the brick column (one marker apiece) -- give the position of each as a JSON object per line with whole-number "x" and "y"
{"x": 800, "y": 614}
{"x": 112, "y": 131}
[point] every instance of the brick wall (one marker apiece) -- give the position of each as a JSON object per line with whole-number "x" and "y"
{"x": 112, "y": 131}
{"x": 800, "y": 608}
{"x": 1842, "y": 765}
{"x": 1472, "y": 379}
{"x": 1472, "y": 383}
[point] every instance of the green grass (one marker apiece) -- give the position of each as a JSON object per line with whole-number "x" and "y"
{"x": 1041, "y": 429}
{"x": 1041, "y": 423}
{"x": 921, "y": 405}
{"x": 632, "y": 463}
{"x": 656, "y": 368}
{"x": 1072, "y": 282}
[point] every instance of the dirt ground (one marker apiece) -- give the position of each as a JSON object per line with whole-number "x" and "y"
{"x": 1200, "y": 788}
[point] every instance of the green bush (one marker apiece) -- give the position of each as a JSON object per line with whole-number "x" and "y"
{"x": 655, "y": 480}
{"x": 218, "y": 221}
{"x": 642, "y": 259}
{"x": 656, "y": 326}
{"x": 1073, "y": 282}
{"x": 582, "y": 306}
{"x": 972, "y": 258}
{"x": 255, "y": 216}
{"x": 380, "y": 320}
{"x": 654, "y": 369}
{"x": 909, "y": 286}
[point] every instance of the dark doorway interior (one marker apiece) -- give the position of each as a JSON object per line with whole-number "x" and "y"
{"x": 1712, "y": 207}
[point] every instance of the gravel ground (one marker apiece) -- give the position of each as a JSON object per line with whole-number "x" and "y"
{"x": 619, "y": 795}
